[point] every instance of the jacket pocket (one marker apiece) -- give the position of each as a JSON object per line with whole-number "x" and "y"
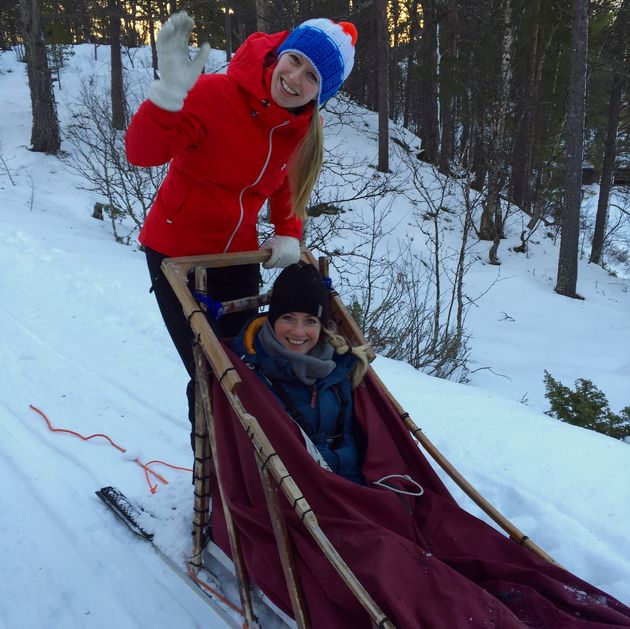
{"x": 174, "y": 192}
{"x": 273, "y": 178}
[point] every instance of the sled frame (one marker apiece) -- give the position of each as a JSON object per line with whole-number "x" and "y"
{"x": 209, "y": 355}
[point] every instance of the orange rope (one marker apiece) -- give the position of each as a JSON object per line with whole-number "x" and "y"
{"x": 144, "y": 466}
{"x": 72, "y": 432}
{"x": 212, "y": 591}
{"x": 173, "y": 467}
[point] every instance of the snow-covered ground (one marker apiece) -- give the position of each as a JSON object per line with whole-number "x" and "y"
{"x": 82, "y": 340}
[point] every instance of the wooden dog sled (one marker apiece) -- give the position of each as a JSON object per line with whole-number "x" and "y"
{"x": 292, "y": 515}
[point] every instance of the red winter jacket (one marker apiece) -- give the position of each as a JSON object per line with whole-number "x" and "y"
{"x": 229, "y": 147}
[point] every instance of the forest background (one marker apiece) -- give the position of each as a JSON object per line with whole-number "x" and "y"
{"x": 528, "y": 97}
{"x": 520, "y": 102}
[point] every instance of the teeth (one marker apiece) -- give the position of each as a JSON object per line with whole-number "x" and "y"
{"x": 296, "y": 342}
{"x": 287, "y": 88}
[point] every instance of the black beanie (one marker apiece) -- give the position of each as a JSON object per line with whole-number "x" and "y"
{"x": 299, "y": 289}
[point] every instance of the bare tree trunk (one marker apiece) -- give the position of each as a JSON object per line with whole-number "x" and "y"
{"x": 428, "y": 122}
{"x": 569, "y": 236}
{"x": 465, "y": 137}
{"x": 411, "y": 63}
{"x": 228, "y": 31}
{"x": 383, "y": 85}
{"x": 610, "y": 148}
{"x": 491, "y": 227}
{"x": 448, "y": 35}
{"x": 261, "y": 16}
{"x": 394, "y": 80}
{"x": 608, "y": 170}
{"x": 154, "y": 57}
{"x": 478, "y": 159}
{"x": 45, "y": 137}
{"x": 118, "y": 92}
{"x": 524, "y": 145}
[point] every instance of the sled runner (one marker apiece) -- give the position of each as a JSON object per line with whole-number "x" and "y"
{"x": 331, "y": 553}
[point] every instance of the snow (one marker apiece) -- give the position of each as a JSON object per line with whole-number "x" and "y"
{"x": 83, "y": 342}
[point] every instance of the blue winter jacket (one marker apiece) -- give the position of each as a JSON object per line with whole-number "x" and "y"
{"x": 323, "y": 410}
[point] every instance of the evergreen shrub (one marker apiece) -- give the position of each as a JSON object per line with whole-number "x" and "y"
{"x": 586, "y": 407}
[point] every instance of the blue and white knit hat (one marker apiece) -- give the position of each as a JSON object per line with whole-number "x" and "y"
{"x": 329, "y": 46}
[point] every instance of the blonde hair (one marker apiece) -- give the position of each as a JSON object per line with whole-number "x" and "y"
{"x": 341, "y": 346}
{"x": 305, "y": 165}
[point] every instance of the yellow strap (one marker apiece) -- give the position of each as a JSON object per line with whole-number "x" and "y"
{"x": 250, "y": 333}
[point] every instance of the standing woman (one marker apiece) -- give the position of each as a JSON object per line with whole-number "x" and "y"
{"x": 234, "y": 141}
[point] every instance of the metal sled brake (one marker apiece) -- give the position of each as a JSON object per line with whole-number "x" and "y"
{"x": 211, "y": 358}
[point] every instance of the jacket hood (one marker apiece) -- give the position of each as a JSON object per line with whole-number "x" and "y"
{"x": 251, "y": 68}
{"x": 252, "y": 64}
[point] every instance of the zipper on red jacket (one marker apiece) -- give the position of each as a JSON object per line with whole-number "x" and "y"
{"x": 251, "y": 185}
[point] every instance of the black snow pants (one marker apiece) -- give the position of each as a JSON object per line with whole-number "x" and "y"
{"x": 224, "y": 284}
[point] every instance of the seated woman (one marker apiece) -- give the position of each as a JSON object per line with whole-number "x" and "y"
{"x": 310, "y": 369}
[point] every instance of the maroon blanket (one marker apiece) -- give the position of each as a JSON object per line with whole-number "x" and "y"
{"x": 424, "y": 560}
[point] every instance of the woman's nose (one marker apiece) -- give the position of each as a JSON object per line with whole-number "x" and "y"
{"x": 296, "y": 74}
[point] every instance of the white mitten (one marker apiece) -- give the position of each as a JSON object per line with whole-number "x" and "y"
{"x": 178, "y": 72}
{"x": 285, "y": 250}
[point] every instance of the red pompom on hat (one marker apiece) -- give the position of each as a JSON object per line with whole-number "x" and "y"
{"x": 350, "y": 29}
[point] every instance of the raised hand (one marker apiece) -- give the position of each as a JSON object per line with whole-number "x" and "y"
{"x": 178, "y": 72}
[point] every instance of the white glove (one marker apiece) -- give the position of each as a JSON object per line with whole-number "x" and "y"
{"x": 178, "y": 72}
{"x": 285, "y": 250}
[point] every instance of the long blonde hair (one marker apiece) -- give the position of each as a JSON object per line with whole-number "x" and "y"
{"x": 341, "y": 346}
{"x": 305, "y": 164}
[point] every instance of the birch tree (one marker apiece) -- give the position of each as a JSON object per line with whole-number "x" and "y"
{"x": 491, "y": 227}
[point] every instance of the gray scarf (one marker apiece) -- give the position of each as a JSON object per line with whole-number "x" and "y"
{"x": 307, "y": 368}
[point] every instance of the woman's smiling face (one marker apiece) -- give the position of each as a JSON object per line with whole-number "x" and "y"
{"x": 294, "y": 81}
{"x": 297, "y": 331}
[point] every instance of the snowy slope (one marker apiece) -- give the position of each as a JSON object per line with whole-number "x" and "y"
{"x": 82, "y": 340}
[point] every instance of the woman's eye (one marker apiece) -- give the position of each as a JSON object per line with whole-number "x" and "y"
{"x": 295, "y": 59}
{"x": 311, "y": 322}
{"x": 313, "y": 78}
